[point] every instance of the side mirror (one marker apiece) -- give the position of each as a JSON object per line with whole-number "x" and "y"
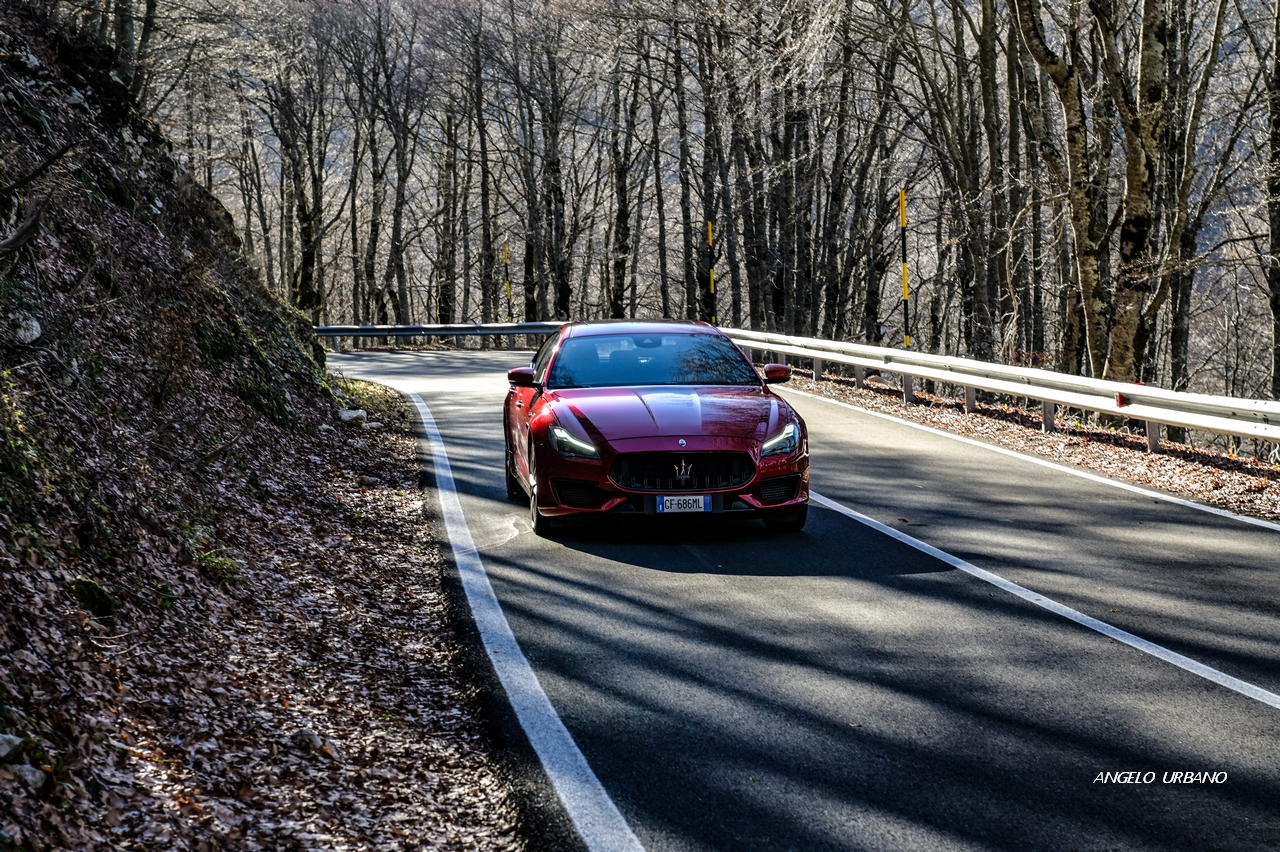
{"x": 776, "y": 374}
{"x": 520, "y": 377}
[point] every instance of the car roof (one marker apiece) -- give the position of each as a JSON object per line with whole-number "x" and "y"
{"x": 597, "y": 327}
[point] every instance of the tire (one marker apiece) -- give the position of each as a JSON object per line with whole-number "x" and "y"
{"x": 541, "y": 524}
{"x": 786, "y": 520}
{"x": 515, "y": 490}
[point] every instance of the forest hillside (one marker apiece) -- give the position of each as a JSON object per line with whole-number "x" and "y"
{"x": 197, "y": 555}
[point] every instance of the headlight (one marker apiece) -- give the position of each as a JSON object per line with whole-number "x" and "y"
{"x": 568, "y": 445}
{"x": 783, "y": 442}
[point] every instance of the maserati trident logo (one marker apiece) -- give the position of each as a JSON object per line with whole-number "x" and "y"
{"x": 684, "y": 472}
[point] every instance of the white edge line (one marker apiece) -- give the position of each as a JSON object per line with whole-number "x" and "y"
{"x": 1160, "y": 652}
{"x": 595, "y": 816}
{"x": 1092, "y": 477}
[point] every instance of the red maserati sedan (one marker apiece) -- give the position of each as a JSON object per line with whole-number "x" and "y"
{"x": 655, "y": 418}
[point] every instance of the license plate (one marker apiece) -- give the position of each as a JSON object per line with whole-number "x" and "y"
{"x": 685, "y": 503}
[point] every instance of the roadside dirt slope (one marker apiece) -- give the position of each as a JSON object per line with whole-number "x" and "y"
{"x": 220, "y": 615}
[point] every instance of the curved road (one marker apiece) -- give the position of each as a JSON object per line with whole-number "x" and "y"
{"x": 840, "y": 689}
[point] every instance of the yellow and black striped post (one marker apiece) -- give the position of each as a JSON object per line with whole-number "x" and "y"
{"x": 906, "y": 286}
{"x": 712, "y": 272}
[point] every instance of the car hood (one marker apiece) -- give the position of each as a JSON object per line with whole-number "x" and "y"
{"x": 642, "y": 412}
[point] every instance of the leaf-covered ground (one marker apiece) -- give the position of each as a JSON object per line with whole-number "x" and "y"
{"x": 221, "y": 618}
{"x": 1240, "y": 484}
{"x": 304, "y": 700}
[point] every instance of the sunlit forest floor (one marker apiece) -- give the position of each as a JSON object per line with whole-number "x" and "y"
{"x": 294, "y": 691}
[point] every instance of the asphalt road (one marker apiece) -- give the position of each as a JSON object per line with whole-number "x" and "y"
{"x": 838, "y": 689}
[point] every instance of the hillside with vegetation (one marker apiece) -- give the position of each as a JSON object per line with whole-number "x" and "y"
{"x": 222, "y": 624}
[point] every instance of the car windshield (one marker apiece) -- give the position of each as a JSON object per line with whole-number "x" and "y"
{"x": 612, "y": 360}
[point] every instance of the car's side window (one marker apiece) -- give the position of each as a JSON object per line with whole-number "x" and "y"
{"x": 542, "y": 358}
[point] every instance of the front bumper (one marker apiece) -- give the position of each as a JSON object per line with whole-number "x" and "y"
{"x": 583, "y": 487}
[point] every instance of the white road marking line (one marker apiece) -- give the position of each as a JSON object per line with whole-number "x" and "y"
{"x": 1092, "y": 477}
{"x": 593, "y": 813}
{"x": 1158, "y": 651}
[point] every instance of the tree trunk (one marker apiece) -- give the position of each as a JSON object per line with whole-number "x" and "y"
{"x": 711, "y": 155}
{"x": 1180, "y": 331}
{"x": 655, "y": 120}
{"x": 379, "y": 308}
{"x": 488, "y": 287}
{"x": 465, "y": 312}
{"x": 1017, "y": 342}
{"x": 557, "y": 248}
{"x": 1273, "y": 201}
{"x": 619, "y": 162}
{"x": 447, "y": 260}
{"x": 750, "y": 191}
{"x": 396, "y": 273}
{"x": 686, "y": 177}
{"x": 140, "y": 76}
{"x": 1273, "y": 210}
{"x": 833, "y": 298}
{"x": 998, "y": 278}
{"x": 1081, "y": 189}
{"x": 288, "y": 241}
{"x": 126, "y": 56}
{"x": 253, "y": 168}
{"x": 1140, "y": 105}
{"x": 1071, "y": 318}
{"x": 353, "y": 182}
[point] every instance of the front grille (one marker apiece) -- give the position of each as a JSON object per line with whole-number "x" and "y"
{"x": 675, "y": 472}
{"x": 780, "y": 489}
{"x": 577, "y": 492}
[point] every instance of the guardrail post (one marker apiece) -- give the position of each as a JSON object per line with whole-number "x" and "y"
{"x": 817, "y": 369}
{"x": 859, "y": 376}
{"x": 1049, "y": 414}
{"x": 970, "y": 399}
{"x": 908, "y": 392}
{"x": 1153, "y": 436}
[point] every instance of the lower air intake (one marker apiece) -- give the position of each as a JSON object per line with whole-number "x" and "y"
{"x": 577, "y": 493}
{"x": 780, "y": 489}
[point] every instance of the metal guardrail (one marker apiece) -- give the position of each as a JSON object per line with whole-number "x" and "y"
{"x": 496, "y": 329}
{"x": 1246, "y": 418}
